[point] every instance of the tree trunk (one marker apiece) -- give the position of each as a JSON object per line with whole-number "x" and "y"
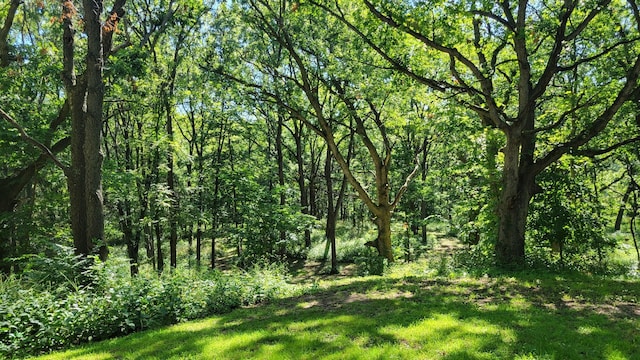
{"x": 213, "y": 245}
{"x": 6, "y": 250}
{"x": 217, "y": 163}
{"x": 632, "y": 227}
{"x": 513, "y": 207}
{"x": 332, "y": 218}
{"x": 424, "y": 210}
{"x": 132, "y": 241}
{"x": 132, "y": 250}
{"x": 199, "y": 243}
{"x": 623, "y": 205}
{"x": 150, "y": 246}
{"x": 304, "y": 201}
{"x": 159, "y": 255}
{"x": 86, "y": 98}
{"x": 85, "y": 95}
{"x": 5, "y": 57}
{"x": 313, "y": 172}
{"x": 280, "y": 160}
{"x": 173, "y": 209}
{"x": 383, "y": 240}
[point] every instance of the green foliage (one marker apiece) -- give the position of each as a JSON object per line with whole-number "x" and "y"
{"x": 370, "y": 263}
{"x": 566, "y": 226}
{"x": 57, "y": 269}
{"x": 410, "y": 314}
{"x": 349, "y": 246}
{"x": 351, "y": 249}
{"x": 265, "y": 222}
{"x": 43, "y": 318}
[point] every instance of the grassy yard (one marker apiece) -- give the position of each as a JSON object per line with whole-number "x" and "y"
{"x": 400, "y": 316}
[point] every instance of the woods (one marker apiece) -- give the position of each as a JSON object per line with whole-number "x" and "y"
{"x": 268, "y": 85}
{"x": 220, "y": 135}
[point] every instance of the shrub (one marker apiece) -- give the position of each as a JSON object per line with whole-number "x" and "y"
{"x": 39, "y": 319}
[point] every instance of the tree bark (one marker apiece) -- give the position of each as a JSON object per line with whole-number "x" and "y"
{"x": 5, "y": 57}
{"x": 332, "y": 214}
{"x": 173, "y": 208}
{"x": 93, "y": 155}
{"x": 623, "y": 205}
{"x": 280, "y": 161}
{"x": 85, "y": 95}
{"x": 304, "y": 200}
{"x": 159, "y": 254}
{"x": 383, "y": 240}
{"x": 424, "y": 210}
{"x": 217, "y": 164}
{"x": 167, "y": 94}
{"x": 85, "y": 98}
{"x": 513, "y": 207}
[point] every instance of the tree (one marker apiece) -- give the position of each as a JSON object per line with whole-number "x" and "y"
{"x": 311, "y": 72}
{"x": 333, "y": 208}
{"x": 29, "y": 108}
{"x": 84, "y": 106}
{"x": 85, "y": 94}
{"x": 512, "y": 65}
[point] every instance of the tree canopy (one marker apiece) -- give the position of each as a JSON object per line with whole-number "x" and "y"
{"x": 204, "y": 129}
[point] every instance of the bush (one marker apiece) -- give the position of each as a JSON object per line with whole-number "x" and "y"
{"x": 565, "y": 224}
{"x": 38, "y": 320}
{"x": 349, "y": 244}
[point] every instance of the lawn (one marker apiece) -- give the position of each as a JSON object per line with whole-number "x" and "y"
{"x": 400, "y": 316}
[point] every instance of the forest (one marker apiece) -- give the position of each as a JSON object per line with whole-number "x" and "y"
{"x": 171, "y": 160}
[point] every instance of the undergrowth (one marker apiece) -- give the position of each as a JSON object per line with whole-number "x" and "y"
{"x": 39, "y": 316}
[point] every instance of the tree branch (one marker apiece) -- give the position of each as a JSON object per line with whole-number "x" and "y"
{"x": 109, "y": 28}
{"x": 495, "y": 17}
{"x": 43, "y": 148}
{"x": 431, "y": 83}
{"x": 4, "y": 33}
{"x": 595, "y": 152}
{"x": 627, "y": 92}
{"x": 407, "y": 181}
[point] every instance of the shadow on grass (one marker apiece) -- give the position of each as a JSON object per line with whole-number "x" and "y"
{"x": 507, "y": 317}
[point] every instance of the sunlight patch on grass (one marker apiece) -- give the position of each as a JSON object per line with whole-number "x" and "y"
{"x": 450, "y": 334}
{"x": 586, "y": 330}
{"x": 615, "y": 354}
{"x": 80, "y": 354}
{"x": 406, "y": 317}
{"x": 520, "y": 303}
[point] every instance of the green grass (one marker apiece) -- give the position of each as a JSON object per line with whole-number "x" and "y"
{"x": 404, "y": 316}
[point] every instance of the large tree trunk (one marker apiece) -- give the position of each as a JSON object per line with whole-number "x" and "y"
{"x": 86, "y": 98}
{"x": 85, "y": 95}
{"x": 511, "y": 231}
{"x": 513, "y": 207}
{"x": 383, "y": 240}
